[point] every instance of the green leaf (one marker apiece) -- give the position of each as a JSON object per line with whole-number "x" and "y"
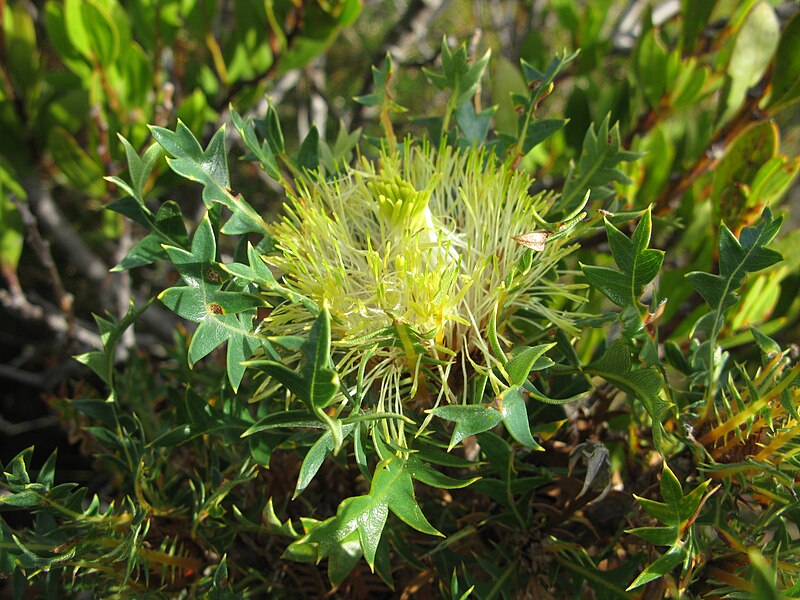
{"x": 469, "y": 419}
{"x": 458, "y": 75}
{"x": 515, "y": 417}
{"x": 101, "y": 32}
{"x": 166, "y": 228}
{"x": 737, "y": 258}
{"x": 474, "y": 126}
{"x": 597, "y": 166}
{"x": 738, "y": 168}
{"x": 765, "y": 577}
{"x": 752, "y": 52}
{"x": 140, "y": 168}
{"x": 426, "y": 474}
{"x": 308, "y": 155}
{"x": 261, "y": 151}
{"x": 21, "y": 52}
{"x": 671, "y": 491}
{"x": 315, "y": 457}
{"x": 285, "y": 418}
{"x": 650, "y": 60}
{"x": 81, "y": 171}
{"x": 661, "y": 566}
{"x": 637, "y": 264}
{"x": 541, "y": 82}
{"x": 12, "y": 230}
{"x": 658, "y": 536}
{"x": 539, "y": 130}
{"x": 392, "y": 490}
{"x": 509, "y": 407}
{"x": 111, "y": 330}
{"x": 316, "y": 383}
{"x": 224, "y": 316}
{"x": 615, "y": 366}
{"x": 382, "y": 97}
{"x": 208, "y": 167}
{"x": 524, "y": 361}
{"x": 260, "y": 274}
{"x": 76, "y": 28}
{"x": 785, "y": 80}
{"x": 695, "y": 17}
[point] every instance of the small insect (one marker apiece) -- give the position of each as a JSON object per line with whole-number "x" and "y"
{"x": 535, "y": 240}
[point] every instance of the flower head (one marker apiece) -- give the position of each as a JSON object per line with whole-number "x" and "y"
{"x": 415, "y": 255}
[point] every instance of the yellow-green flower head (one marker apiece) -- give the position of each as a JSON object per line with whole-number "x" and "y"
{"x": 414, "y": 256}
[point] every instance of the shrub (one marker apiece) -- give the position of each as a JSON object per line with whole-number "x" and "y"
{"x": 459, "y": 359}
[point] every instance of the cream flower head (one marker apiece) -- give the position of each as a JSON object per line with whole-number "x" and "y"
{"x": 415, "y": 255}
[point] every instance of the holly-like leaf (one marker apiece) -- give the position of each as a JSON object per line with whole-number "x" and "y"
{"x": 203, "y": 301}
{"x": 261, "y": 151}
{"x": 208, "y": 167}
{"x": 139, "y": 168}
{"x": 426, "y": 474}
{"x": 382, "y": 96}
{"x": 515, "y": 417}
{"x": 637, "y": 265}
{"x": 308, "y": 155}
{"x": 469, "y": 419}
{"x": 392, "y": 490}
{"x": 737, "y": 258}
{"x": 259, "y": 273}
{"x": 315, "y": 457}
{"x": 597, "y": 167}
{"x": 509, "y": 408}
{"x": 677, "y": 512}
{"x": 111, "y": 330}
{"x": 474, "y": 126}
{"x": 615, "y": 366}
{"x": 458, "y": 75}
{"x": 166, "y": 228}
{"x": 316, "y": 383}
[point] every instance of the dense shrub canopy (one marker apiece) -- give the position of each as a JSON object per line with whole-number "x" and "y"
{"x": 523, "y": 326}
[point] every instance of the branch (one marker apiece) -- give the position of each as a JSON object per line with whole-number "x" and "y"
{"x": 157, "y": 320}
{"x": 22, "y": 308}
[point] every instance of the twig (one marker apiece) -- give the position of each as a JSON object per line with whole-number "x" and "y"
{"x": 160, "y": 322}
{"x": 64, "y": 237}
{"x": 7, "y": 428}
{"x": 319, "y": 105}
{"x": 42, "y": 249}
{"x": 56, "y": 322}
{"x": 26, "y": 378}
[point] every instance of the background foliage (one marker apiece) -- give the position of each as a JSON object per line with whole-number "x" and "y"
{"x": 672, "y": 475}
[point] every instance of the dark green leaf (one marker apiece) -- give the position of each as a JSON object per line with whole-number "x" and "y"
{"x": 637, "y": 264}
{"x": 515, "y": 417}
{"x": 208, "y": 167}
{"x": 663, "y": 565}
{"x": 475, "y": 127}
{"x": 308, "y": 155}
{"x": 597, "y": 166}
{"x": 469, "y": 419}
{"x": 523, "y": 362}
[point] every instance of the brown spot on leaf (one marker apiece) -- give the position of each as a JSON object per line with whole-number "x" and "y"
{"x": 215, "y": 309}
